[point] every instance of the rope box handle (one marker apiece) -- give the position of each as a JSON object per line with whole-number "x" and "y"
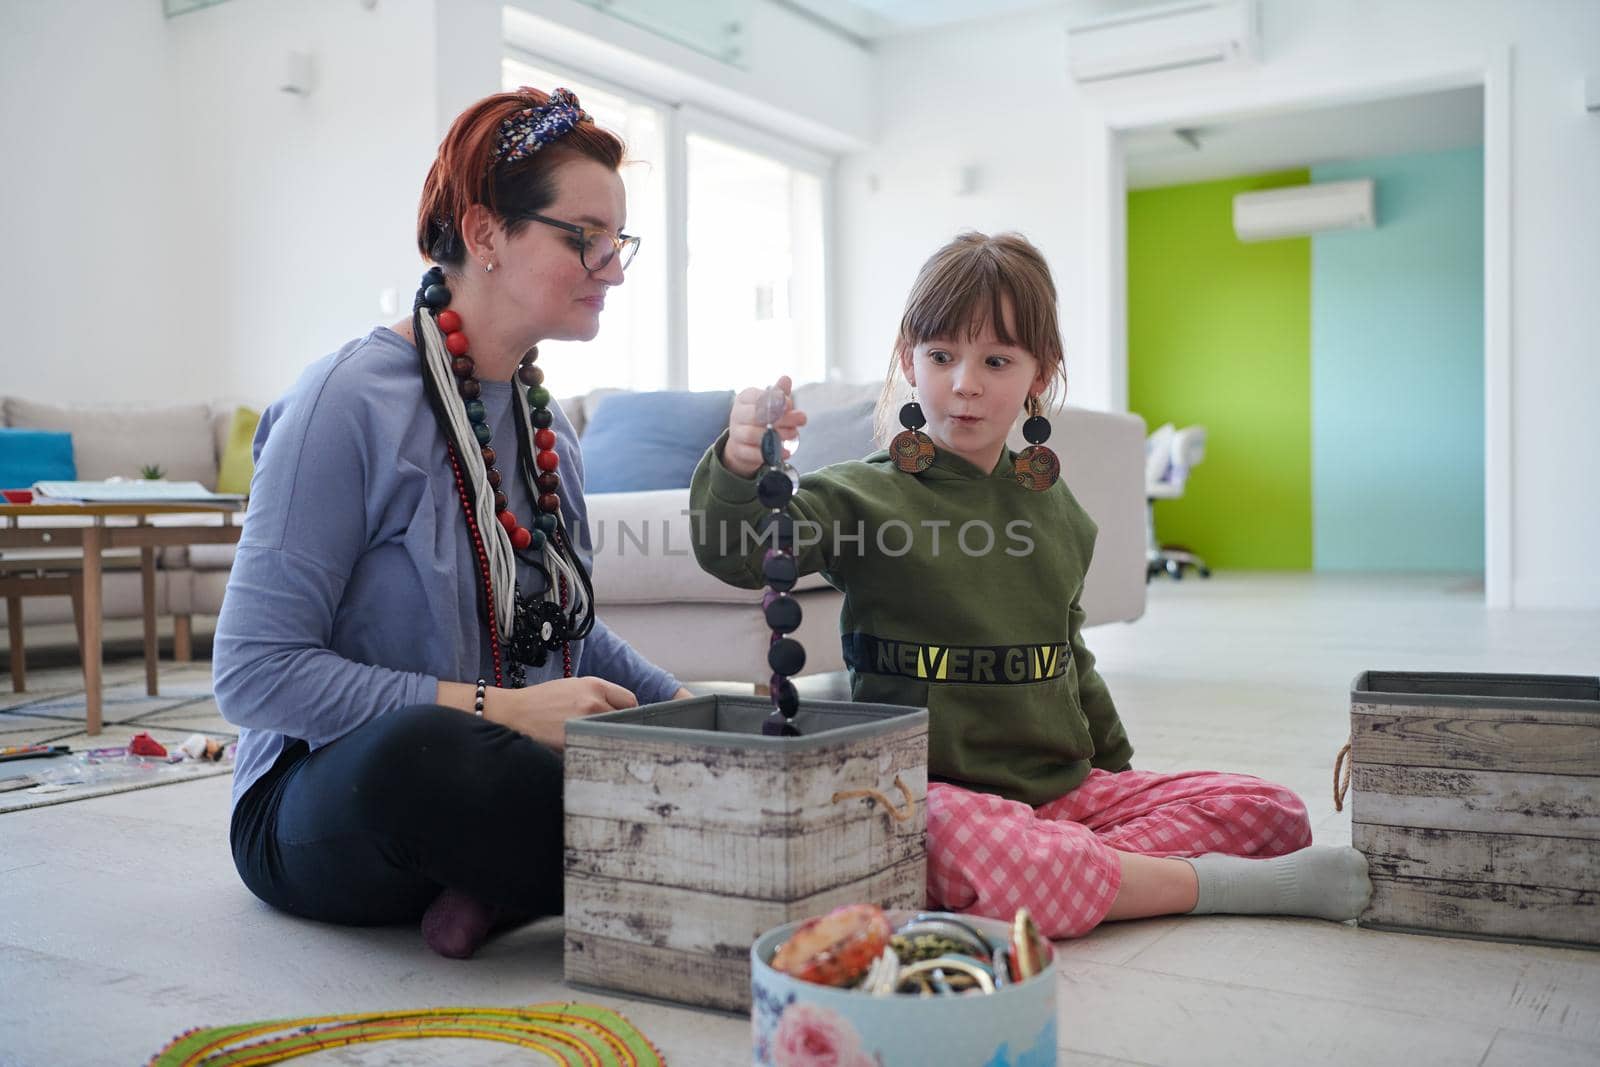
{"x": 1341, "y": 786}
{"x": 878, "y": 797}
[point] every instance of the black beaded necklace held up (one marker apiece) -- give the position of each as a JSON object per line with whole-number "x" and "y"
{"x": 774, "y": 488}
{"x": 522, "y": 629}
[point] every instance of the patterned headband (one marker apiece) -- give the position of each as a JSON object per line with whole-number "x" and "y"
{"x": 530, "y": 129}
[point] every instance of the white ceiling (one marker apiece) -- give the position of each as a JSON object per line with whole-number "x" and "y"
{"x": 1158, "y": 156}
{"x": 1428, "y": 122}
{"x": 871, "y": 20}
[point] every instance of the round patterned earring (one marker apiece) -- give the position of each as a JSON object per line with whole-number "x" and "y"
{"x": 1036, "y": 466}
{"x": 911, "y": 449}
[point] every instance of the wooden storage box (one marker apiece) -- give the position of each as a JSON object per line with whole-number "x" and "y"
{"x": 1476, "y": 799}
{"x": 689, "y": 834}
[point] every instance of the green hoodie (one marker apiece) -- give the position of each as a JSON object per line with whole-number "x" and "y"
{"x": 961, "y": 595}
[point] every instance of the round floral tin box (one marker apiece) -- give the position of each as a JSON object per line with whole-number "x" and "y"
{"x": 802, "y": 1024}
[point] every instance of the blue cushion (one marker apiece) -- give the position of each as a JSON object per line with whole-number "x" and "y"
{"x": 28, "y": 456}
{"x": 637, "y": 441}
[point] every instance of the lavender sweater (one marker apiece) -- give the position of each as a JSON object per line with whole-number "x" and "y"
{"x": 355, "y": 589}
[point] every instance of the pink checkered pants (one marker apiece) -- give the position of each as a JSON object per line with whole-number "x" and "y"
{"x": 989, "y": 856}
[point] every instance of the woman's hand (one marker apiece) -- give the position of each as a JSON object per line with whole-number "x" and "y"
{"x": 541, "y": 711}
{"x": 748, "y": 421}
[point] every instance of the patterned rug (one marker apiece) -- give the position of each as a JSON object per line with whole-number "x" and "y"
{"x": 53, "y": 711}
{"x": 570, "y": 1034}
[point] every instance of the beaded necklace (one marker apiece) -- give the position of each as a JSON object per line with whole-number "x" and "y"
{"x": 567, "y": 1032}
{"x": 522, "y": 629}
{"x": 785, "y": 655}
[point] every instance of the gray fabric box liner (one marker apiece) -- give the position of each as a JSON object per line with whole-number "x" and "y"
{"x": 1562, "y": 692}
{"x": 732, "y": 721}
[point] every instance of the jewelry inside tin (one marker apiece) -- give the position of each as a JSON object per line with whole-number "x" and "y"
{"x": 929, "y": 955}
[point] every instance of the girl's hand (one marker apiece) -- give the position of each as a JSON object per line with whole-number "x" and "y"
{"x": 541, "y": 711}
{"x": 748, "y": 421}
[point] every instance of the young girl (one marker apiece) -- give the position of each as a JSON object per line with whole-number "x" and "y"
{"x": 962, "y": 567}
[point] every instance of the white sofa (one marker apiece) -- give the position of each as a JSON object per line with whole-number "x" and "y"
{"x": 701, "y": 629}
{"x": 659, "y": 599}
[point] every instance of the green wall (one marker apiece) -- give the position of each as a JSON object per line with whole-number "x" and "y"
{"x": 1219, "y": 333}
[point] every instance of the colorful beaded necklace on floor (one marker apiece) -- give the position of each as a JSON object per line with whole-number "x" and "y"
{"x": 568, "y": 1033}
{"x": 523, "y": 630}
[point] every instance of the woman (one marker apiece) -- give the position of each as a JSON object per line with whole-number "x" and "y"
{"x": 408, "y": 624}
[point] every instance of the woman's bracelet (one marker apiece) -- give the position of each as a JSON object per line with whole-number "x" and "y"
{"x": 477, "y": 699}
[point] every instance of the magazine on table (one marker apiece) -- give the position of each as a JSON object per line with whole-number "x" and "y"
{"x": 132, "y": 491}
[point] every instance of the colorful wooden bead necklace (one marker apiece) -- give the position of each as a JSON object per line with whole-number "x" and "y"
{"x": 528, "y": 628}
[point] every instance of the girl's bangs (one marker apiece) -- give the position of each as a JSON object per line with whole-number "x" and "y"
{"x": 962, "y": 301}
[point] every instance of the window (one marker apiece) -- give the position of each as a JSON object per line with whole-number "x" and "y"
{"x": 729, "y": 287}
{"x": 755, "y": 273}
{"x": 630, "y": 351}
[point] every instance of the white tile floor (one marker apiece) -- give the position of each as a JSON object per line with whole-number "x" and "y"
{"x": 122, "y": 922}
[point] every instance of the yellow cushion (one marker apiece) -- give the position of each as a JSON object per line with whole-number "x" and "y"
{"x": 238, "y": 464}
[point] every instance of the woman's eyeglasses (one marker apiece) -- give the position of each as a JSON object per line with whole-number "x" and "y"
{"x": 598, "y": 247}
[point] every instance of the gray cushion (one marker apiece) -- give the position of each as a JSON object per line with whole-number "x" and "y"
{"x": 835, "y": 435}
{"x": 818, "y": 396}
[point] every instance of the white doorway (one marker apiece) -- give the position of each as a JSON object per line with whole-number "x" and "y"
{"x": 1106, "y": 232}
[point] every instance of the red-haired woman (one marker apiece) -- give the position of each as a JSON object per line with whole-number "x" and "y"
{"x": 410, "y": 622}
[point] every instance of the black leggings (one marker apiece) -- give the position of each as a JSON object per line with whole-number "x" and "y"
{"x": 368, "y": 830}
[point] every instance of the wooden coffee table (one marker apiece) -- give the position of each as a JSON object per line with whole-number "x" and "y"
{"x": 82, "y": 533}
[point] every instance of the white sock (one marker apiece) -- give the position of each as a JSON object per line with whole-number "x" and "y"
{"x": 1324, "y": 882}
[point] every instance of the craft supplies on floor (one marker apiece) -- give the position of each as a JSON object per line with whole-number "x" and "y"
{"x": 111, "y": 768}
{"x": 33, "y": 751}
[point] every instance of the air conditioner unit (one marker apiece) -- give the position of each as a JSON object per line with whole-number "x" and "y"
{"x": 1299, "y": 210}
{"x": 1214, "y": 33}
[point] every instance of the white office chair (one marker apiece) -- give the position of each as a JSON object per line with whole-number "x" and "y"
{"x": 1169, "y": 456}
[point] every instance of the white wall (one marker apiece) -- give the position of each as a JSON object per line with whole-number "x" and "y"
{"x": 104, "y": 298}
{"x": 469, "y": 43}
{"x": 180, "y": 229}
{"x": 184, "y": 230}
{"x": 310, "y": 201}
{"x": 992, "y": 95}
{"x": 998, "y": 95}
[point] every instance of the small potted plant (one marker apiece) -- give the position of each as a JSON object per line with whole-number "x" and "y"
{"x": 152, "y": 472}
